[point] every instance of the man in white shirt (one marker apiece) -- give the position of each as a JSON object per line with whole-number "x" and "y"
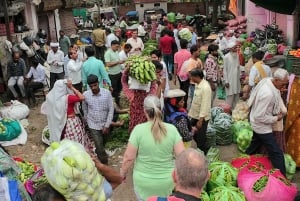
{"x": 110, "y": 36}
{"x": 74, "y": 70}
{"x": 38, "y": 80}
{"x": 136, "y": 43}
{"x": 259, "y": 70}
{"x": 141, "y": 30}
{"x": 55, "y": 59}
{"x": 221, "y": 41}
{"x": 265, "y": 111}
{"x": 124, "y": 54}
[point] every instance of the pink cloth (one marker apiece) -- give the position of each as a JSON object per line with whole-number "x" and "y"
{"x": 291, "y": 80}
{"x": 170, "y": 198}
{"x": 180, "y": 57}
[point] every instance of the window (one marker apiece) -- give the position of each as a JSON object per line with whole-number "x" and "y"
{"x": 157, "y": 5}
{"x": 141, "y": 5}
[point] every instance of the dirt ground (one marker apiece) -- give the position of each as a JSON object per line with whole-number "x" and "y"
{"x": 34, "y": 148}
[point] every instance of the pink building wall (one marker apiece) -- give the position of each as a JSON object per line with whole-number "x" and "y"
{"x": 258, "y": 16}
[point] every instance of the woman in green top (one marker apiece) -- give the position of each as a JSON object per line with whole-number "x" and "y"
{"x": 151, "y": 148}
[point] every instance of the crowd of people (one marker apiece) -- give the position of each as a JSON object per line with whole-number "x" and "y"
{"x": 86, "y": 86}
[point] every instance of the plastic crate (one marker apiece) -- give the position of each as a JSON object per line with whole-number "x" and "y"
{"x": 293, "y": 64}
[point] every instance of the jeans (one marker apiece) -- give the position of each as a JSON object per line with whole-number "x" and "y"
{"x": 200, "y": 135}
{"x": 169, "y": 60}
{"x": 99, "y": 139}
{"x": 32, "y": 86}
{"x": 275, "y": 153}
{"x": 117, "y": 86}
{"x": 54, "y": 77}
{"x": 19, "y": 81}
{"x": 100, "y": 50}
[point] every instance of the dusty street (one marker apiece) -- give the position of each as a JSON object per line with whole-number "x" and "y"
{"x": 34, "y": 148}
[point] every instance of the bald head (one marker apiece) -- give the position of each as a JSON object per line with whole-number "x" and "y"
{"x": 191, "y": 168}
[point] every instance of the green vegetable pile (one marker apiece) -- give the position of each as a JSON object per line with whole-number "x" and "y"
{"x": 290, "y": 166}
{"x": 142, "y": 69}
{"x": 204, "y": 196}
{"x": 70, "y": 170}
{"x": 210, "y": 136}
{"x": 248, "y": 48}
{"x": 238, "y": 126}
{"x": 272, "y": 46}
{"x": 227, "y": 193}
{"x": 222, "y": 124}
{"x": 27, "y": 170}
{"x": 213, "y": 155}
{"x": 244, "y": 138}
{"x": 223, "y": 174}
{"x": 149, "y": 46}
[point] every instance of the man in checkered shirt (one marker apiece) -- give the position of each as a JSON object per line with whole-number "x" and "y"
{"x": 98, "y": 111}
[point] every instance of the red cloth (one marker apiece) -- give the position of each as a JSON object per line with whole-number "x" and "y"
{"x": 72, "y": 100}
{"x": 165, "y": 44}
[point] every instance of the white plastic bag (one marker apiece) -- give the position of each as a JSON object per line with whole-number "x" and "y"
{"x": 16, "y": 111}
{"x": 135, "y": 84}
{"x": 4, "y": 189}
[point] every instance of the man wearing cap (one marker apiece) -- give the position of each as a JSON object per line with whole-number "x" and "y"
{"x": 55, "y": 59}
{"x": 231, "y": 74}
{"x": 98, "y": 111}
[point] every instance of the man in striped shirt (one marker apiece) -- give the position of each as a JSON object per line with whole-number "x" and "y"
{"x": 98, "y": 111}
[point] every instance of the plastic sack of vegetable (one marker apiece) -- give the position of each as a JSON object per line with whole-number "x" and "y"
{"x": 215, "y": 111}
{"x": 9, "y": 129}
{"x": 249, "y": 160}
{"x": 186, "y": 34}
{"x": 238, "y": 126}
{"x": 265, "y": 185}
{"x": 227, "y": 193}
{"x": 213, "y": 155}
{"x": 210, "y": 136}
{"x": 71, "y": 171}
{"x": 244, "y": 138}
{"x": 290, "y": 166}
{"x": 221, "y": 94}
{"x": 240, "y": 112}
{"x": 223, "y": 124}
{"x": 223, "y": 173}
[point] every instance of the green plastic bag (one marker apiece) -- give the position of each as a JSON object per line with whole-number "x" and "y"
{"x": 221, "y": 94}
{"x": 227, "y": 193}
{"x": 9, "y": 129}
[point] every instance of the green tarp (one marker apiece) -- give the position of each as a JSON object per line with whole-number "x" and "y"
{"x": 279, "y": 6}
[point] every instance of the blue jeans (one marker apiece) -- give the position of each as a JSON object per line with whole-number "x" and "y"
{"x": 169, "y": 60}
{"x": 275, "y": 153}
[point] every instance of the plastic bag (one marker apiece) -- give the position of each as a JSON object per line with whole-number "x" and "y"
{"x": 223, "y": 124}
{"x": 221, "y": 94}
{"x": 9, "y": 189}
{"x": 135, "y": 84}
{"x": 259, "y": 160}
{"x": 210, "y": 136}
{"x": 9, "y": 129}
{"x": 71, "y": 171}
{"x": 215, "y": 111}
{"x": 223, "y": 173}
{"x": 275, "y": 188}
{"x": 16, "y": 111}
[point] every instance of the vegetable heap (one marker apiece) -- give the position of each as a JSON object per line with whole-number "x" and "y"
{"x": 244, "y": 138}
{"x": 222, "y": 124}
{"x": 295, "y": 53}
{"x": 222, "y": 173}
{"x": 227, "y": 193}
{"x": 71, "y": 171}
{"x": 240, "y": 111}
{"x": 27, "y": 170}
{"x": 150, "y": 45}
{"x": 290, "y": 166}
{"x": 142, "y": 69}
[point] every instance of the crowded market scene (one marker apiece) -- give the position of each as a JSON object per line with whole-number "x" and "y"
{"x": 138, "y": 100}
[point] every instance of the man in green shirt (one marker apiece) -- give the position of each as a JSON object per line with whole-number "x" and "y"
{"x": 96, "y": 67}
{"x": 64, "y": 42}
{"x": 113, "y": 62}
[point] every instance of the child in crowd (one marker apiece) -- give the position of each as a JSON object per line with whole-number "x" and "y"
{"x": 176, "y": 114}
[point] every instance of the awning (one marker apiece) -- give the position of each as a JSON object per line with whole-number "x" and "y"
{"x": 279, "y": 6}
{"x": 132, "y": 13}
{"x": 16, "y": 7}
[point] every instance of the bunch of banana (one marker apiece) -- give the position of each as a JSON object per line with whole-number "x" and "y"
{"x": 142, "y": 69}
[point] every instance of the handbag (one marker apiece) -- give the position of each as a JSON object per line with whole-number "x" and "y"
{"x": 9, "y": 190}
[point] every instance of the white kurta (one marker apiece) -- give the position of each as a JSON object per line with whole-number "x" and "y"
{"x": 232, "y": 74}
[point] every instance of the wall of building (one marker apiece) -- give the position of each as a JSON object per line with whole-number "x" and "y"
{"x": 141, "y": 7}
{"x": 186, "y": 8}
{"x": 122, "y": 10}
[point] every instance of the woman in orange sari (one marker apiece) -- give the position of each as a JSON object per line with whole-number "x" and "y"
{"x": 292, "y": 125}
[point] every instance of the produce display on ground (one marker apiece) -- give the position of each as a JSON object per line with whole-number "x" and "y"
{"x": 223, "y": 126}
{"x": 290, "y": 166}
{"x": 246, "y": 160}
{"x": 227, "y": 193}
{"x": 27, "y": 169}
{"x": 240, "y": 112}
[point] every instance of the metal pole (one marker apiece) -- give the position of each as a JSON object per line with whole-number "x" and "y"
{"x": 8, "y": 34}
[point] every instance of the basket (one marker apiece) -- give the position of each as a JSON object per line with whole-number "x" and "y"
{"x": 293, "y": 64}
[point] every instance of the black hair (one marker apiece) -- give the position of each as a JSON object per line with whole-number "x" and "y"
{"x": 141, "y": 23}
{"x": 108, "y": 30}
{"x": 170, "y": 33}
{"x": 35, "y": 62}
{"x": 127, "y": 46}
{"x": 91, "y": 79}
{"x": 259, "y": 55}
{"x": 197, "y": 73}
{"x": 89, "y": 51}
{"x": 212, "y": 47}
{"x": 156, "y": 52}
{"x": 193, "y": 48}
{"x": 183, "y": 43}
{"x": 115, "y": 42}
{"x": 46, "y": 193}
{"x": 157, "y": 65}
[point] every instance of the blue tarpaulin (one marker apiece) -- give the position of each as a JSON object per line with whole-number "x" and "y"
{"x": 132, "y": 13}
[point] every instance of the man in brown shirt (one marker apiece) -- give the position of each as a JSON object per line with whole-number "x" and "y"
{"x": 99, "y": 40}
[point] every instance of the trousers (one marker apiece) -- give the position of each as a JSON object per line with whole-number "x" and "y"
{"x": 99, "y": 139}
{"x": 232, "y": 100}
{"x": 19, "y": 80}
{"x": 200, "y": 135}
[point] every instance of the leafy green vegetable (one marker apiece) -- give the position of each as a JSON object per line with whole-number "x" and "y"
{"x": 227, "y": 193}
{"x": 290, "y": 166}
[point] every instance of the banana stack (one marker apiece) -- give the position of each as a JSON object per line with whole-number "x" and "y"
{"x": 141, "y": 68}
